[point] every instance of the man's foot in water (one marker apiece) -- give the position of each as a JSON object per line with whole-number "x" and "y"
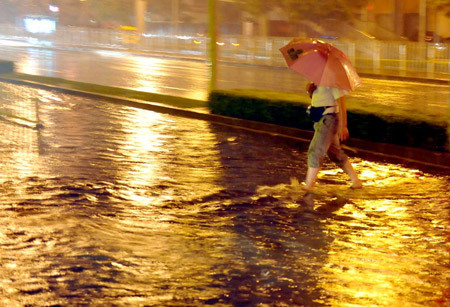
{"x": 356, "y": 185}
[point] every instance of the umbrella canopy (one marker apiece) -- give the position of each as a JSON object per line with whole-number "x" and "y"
{"x": 321, "y": 62}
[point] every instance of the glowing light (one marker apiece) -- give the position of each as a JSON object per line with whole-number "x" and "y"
{"x": 39, "y": 25}
{"x": 220, "y": 43}
{"x": 5, "y": 42}
{"x": 53, "y": 8}
{"x": 235, "y": 44}
{"x": 197, "y": 42}
{"x": 108, "y": 53}
{"x": 128, "y": 28}
{"x": 183, "y": 37}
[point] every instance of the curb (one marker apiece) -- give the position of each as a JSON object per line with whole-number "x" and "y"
{"x": 409, "y": 156}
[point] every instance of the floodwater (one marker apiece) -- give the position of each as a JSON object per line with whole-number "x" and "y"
{"x": 106, "y": 205}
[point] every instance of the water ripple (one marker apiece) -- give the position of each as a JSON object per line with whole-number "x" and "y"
{"x": 113, "y": 206}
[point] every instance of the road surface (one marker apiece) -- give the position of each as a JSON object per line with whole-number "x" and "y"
{"x": 109, "y": 205}
{"x": 189, "y": 78}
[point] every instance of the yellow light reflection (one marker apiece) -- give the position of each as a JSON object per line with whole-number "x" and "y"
{"x": 151, "y": 75}
{"x": 20, "y": 149}
{"x": 149, "y": 72}
{"x": 150, "y": 145}
{"x": 140, "y": 142}
{"x": 28, "y": 65}
{"x": 385, "y": 239}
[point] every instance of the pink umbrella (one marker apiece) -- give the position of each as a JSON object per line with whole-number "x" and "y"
{"x": 321, "y": 62}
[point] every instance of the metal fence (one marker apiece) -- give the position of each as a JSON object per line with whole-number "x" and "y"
{"x": 368, "y": 55}
{"x": 23, "y": 112}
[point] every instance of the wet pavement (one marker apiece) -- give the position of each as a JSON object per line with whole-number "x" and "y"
{"x": 106, "y": 205}
{"x": 190, "y": 79}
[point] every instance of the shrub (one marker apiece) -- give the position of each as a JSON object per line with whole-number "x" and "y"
{"x": 290, "y": 111}
{"x": 6, "y": 67}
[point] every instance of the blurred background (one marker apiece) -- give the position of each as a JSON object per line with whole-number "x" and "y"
{"x": 397, "y": 35}
{"x": 414, "y": 20}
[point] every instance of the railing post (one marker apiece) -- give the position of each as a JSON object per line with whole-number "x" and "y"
{"x": 376, "y": 57}
{"x": 252, "y": 50}
{"x": 402, "y": 57}
{"x": 269, "y": 49}
{"x": 431, "y": 54}
{"x": 352, "y": 53}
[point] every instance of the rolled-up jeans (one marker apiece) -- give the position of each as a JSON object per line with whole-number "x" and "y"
{"x": 326, "y": 141}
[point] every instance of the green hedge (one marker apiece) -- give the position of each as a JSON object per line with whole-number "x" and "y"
{"x": 268, "y": 110}
{"x": 6, "y": 67}
{"x": 290, "y": 110}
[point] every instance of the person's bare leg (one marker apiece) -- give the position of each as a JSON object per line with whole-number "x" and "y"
{"x": 348, "y": 169}
{"x": 311, "y": 176}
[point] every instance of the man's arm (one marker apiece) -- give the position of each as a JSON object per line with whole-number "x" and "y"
{"x": 343, "y": 131}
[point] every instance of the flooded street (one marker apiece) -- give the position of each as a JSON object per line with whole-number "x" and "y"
{"x": 106, "y": 205}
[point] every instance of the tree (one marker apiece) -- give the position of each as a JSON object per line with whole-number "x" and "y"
{"x": 121, "y": 11}
{"x": 298, "y": 11}
{"x": 309, "y": 9}
{"x": 257, "y": 7}
{"x": 438, "y": 3}
{"x": 9, "y": 10}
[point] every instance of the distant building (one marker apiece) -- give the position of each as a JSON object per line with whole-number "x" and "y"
{"x": 402, "y": 17}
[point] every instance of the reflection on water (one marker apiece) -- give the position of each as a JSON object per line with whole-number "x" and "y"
{"x": 29, "y": 65}
{"x": 109, "y": 205}
{"x": 407, "y": 98}
{"x": 152, "y": 74}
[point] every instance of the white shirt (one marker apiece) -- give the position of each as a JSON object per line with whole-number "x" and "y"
{"x": 325, "y": 96}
